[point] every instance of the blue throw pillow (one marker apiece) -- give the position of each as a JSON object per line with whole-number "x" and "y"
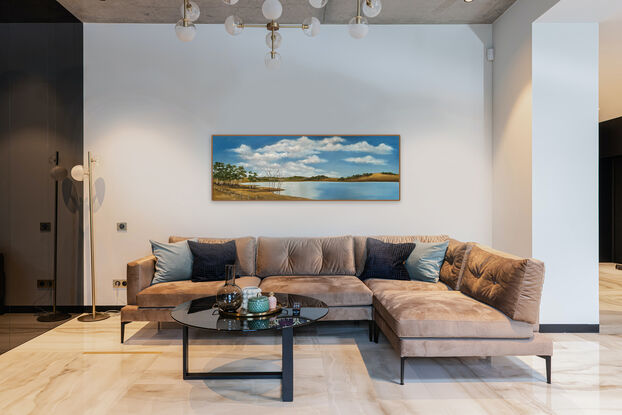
{"x": 386, "y": 260}
{"x": 173, "y": 261}
{"x": 424, "y": 263}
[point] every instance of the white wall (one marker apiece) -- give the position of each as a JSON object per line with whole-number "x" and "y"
{"x": 565, "y": 169}
{"x": 512, "y": 126}
{"x": 152, "y": 103}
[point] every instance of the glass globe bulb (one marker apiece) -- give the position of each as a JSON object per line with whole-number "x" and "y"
{"x": 318, "y": 4}
{"x": 372, "y": 8}
{"x": 312, "y": 28}
{"x": 277, "y": 40}
{"x": 185, "y": 32}
{"x": 232, "y": 25}
{"x": 272, "y": 9}
{"x": 272, "y": 60}
{"x": 230, "y": 2}
{"x": 192, "y": 11}
{"x": 358, "y": 27}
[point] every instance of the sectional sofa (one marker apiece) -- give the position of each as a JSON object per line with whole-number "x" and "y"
{"x": 486, "y": 302}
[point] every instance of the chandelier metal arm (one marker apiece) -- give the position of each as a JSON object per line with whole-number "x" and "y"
{"x": 280, "y": 26}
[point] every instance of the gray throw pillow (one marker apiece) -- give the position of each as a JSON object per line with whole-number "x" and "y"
{"x": 173, "y": 261}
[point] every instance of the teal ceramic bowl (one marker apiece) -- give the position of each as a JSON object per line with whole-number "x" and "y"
{"x": 258, "y": 304}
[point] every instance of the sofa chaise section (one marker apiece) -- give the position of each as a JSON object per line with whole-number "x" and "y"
{"x": 491, "y": 310}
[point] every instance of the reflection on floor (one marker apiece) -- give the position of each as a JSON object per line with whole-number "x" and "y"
{"x": 18, "y": 328}
{"x": 81, "y": 368}
{"x": 610, "y": 299}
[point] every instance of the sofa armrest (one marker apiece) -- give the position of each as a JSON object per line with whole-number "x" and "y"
{"x": 139, "y": 276}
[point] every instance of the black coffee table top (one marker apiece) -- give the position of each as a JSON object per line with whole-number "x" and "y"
{"x": 202, "y": 313}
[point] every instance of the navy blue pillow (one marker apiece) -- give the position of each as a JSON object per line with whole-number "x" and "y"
{"x": 386, "y": 260}
{"x": 209, "y": 260}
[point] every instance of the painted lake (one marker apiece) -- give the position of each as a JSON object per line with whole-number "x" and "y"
{"x": 339, "y": 190}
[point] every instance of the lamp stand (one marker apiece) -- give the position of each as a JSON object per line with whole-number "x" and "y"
{"x": 55, "y": 315}
{"x": 94, "y": 315}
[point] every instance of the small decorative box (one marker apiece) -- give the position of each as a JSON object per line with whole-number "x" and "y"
{"x": 258, "y": 304}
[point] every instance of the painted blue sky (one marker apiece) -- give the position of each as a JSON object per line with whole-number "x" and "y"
{"x": 335, "y": 156}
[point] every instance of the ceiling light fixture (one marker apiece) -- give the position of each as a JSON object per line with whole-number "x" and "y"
{"x": 272, "y": 10}
{"x": 185, "y": 28}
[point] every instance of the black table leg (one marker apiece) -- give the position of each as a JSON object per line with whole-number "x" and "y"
{"x": 286, "y": 375}
{"x": 287, "y": 383}
{"x": 185, "y": 351}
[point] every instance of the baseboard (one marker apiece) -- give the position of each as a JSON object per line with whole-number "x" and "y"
{"x": 65, "y": 308}
{"x": 569, "y": 328}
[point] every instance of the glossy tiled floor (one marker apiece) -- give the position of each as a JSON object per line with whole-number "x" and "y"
{"x": 18, "y": 328}
{"x": 81, "y": 368}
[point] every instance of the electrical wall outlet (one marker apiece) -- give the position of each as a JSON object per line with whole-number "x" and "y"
{"x": 45, "y": 283}
{"x": 119, "y": 283}
{"x": 121, "y": 226}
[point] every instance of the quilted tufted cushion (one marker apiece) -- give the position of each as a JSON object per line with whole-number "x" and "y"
{"x": 511, "y": 284}
{"x": 245, "y": 251}
{"x": 452, "y": 268}
{"x": 305, "y": 256}
{"x": 360, "y": 245}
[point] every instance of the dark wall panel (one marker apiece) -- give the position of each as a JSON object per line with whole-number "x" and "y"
{"x": 41, "y": 111}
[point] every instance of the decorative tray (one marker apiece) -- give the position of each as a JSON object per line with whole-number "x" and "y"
{"x": 240, "y": 313}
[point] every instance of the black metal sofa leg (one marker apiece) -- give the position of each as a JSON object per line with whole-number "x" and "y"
{"x": 402, "y": 370}
{"x": 123, "y": 324}
{"x": 376, "y": 332}
{"x": 371, "y": 330}
{"x": 547, "y": 359}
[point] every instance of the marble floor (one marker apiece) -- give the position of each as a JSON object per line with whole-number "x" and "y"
{"x": 18, "y": 328}
{"x": 610, "y": 299}
{"x": 81, "y": 368}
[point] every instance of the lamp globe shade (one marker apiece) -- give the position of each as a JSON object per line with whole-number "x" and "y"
{"x": 58, "y": 173}
{"x": 318, "y": 4}
{"x": 273, "y": 60}
{"x": 233, "y": 25}
{"x": 277, "y": 40}
{"x": 185, "y": 32}
{"x": 77, "y": 173}
{"x": 312, "y": 28}
{"x": 272, "y": 9}
{"x": 372, "y": 8}
{"x": 192, "y": 11}
{"x": 358, "y": 27}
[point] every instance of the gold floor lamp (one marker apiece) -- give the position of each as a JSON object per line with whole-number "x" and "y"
{"x": 78, "y": 173}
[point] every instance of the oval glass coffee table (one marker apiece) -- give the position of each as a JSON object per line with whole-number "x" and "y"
{"x": 203, "y": 314}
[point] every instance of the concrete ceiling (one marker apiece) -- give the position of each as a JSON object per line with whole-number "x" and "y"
{"x": 294, "y": 11}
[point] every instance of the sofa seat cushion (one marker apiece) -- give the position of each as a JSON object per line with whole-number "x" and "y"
{"x": 334, "y": 290}
{"x": 171, "y": 294}
{"x": 445, "y": 314}
{"x": 377, "y": 285}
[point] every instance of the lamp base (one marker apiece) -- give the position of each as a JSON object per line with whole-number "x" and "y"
{"x": 86, "y": 318}
{"x": 53, "y": 316}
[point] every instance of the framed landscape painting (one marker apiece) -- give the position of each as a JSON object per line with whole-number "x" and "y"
{"x": 306, "y": 167}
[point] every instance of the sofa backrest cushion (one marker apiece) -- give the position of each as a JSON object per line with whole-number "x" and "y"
{"x": 360, "y": 245}
{"x": 245, "y": 251}
{"x": 509, "y": 283}
{"x": 305, "y": 256}
{"x": 453, "y": 265}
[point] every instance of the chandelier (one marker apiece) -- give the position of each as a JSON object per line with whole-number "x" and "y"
{"x": 272, "y": 10}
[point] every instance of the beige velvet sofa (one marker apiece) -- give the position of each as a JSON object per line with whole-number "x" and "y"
{"x": 485, "y": 304}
